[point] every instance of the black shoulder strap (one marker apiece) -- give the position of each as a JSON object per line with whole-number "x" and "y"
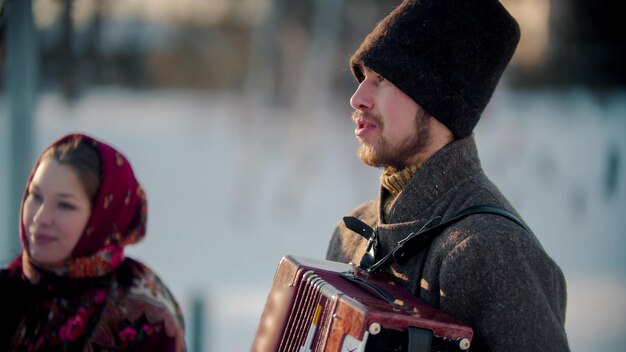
{"x": 415, "y": 241}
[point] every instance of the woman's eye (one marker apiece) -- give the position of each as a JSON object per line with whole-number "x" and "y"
{"x": 35, "y": 196}
{"x": 66, "y": 205}
{"x": 380, "y": 78}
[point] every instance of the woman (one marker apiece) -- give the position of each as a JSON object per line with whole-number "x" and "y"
{"x": 71, "y": 288}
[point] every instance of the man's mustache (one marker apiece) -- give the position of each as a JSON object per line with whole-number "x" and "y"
{"x": 361, "y": 115}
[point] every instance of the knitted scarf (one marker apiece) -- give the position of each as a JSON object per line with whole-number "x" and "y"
{"x": 394, "y": 181}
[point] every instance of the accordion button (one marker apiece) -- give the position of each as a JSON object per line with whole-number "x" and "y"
{"x": 374, "y": 328}
{"x": 464, "y": 344}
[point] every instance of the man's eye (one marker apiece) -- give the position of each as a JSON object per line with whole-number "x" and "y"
{"x": 380, "y": 78}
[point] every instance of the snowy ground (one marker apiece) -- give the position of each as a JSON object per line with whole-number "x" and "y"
{"x": 233, "y": 188}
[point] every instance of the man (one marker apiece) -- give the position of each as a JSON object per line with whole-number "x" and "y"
{"x": 425, "y": 74}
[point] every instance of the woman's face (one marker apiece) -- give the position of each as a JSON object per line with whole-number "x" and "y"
{"x": 55, "y": 213}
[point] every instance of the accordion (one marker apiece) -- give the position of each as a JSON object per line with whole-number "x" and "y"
{"x": 318, "y": 305}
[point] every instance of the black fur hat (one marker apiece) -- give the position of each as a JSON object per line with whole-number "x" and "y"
{"x": 448, "y": 55}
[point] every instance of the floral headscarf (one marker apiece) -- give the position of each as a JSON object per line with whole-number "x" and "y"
{"x": 118, "y": 216}
{"x": 99, "y": 300}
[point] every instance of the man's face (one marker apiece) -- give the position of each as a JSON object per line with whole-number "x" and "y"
{"x": 392, "y": 129}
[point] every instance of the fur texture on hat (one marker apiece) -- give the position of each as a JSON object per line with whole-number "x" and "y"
{"x": 448, "y": 55}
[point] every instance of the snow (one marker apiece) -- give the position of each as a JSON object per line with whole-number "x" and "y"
{"x": 233, "y": 187}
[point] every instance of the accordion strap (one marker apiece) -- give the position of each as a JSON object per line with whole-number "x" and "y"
{"x": 415, "y": 241}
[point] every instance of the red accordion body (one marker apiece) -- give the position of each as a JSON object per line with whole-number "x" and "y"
{"x": 318, "y": 305}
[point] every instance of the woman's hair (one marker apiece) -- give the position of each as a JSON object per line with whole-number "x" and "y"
{"x": 83, "y": 158}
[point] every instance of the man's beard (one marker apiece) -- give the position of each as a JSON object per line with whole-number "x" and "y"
{"x": 395, "y": 154}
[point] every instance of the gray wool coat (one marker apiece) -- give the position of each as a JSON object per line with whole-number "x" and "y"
{"x": 485, "y": 269}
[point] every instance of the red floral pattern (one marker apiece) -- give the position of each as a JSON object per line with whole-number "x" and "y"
{"x": 101, "y": 300}
{"x": 118, "y": 217}
{"x": 120, "y": 318}
{"x": 74, "y": 327}
{"x": 127, "y": 335}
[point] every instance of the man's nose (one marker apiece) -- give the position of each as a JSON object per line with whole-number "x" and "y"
{"x": 362, "y": 97}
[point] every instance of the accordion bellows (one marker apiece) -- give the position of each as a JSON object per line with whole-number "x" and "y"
{"x": 318, "y": 305}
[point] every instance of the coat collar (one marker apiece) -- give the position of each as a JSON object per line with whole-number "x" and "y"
{"x": 444, "y": 171}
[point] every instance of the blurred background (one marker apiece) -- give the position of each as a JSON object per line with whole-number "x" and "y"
{"x": 235, "y": 116}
